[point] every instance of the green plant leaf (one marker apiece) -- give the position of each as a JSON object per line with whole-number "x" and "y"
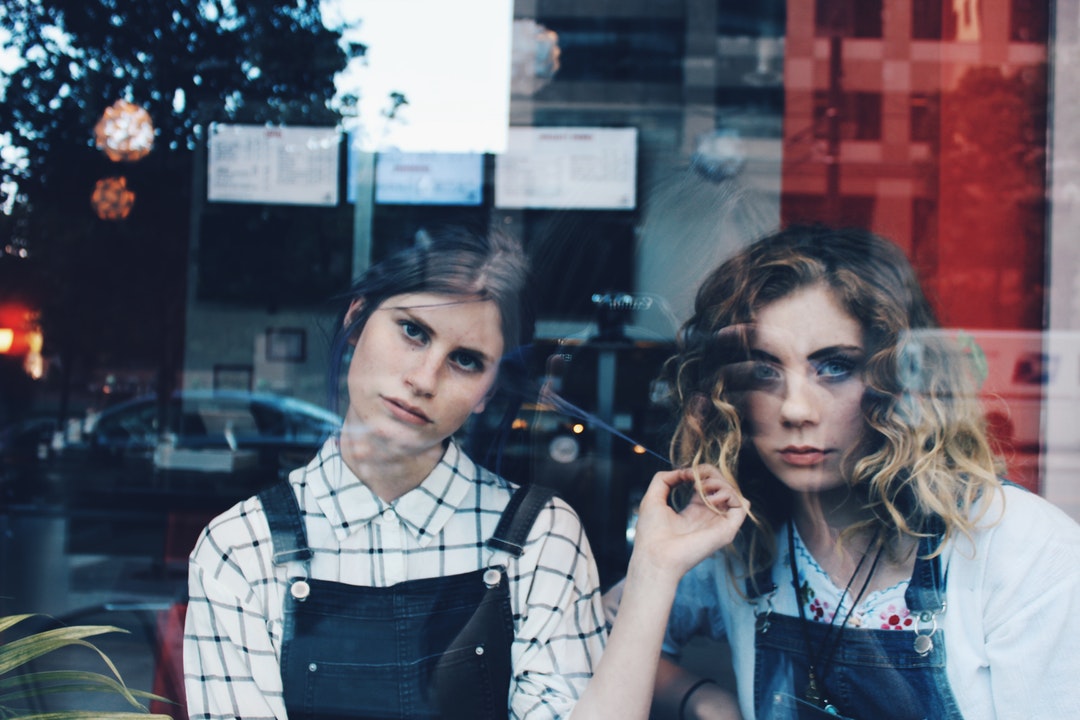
{"x": 11, "y": 620}
{"x": 51, "y": 682}
{"x": 52, "y": 643}
{"x": 92, "y": 715}
{"x": 19, "y": 652}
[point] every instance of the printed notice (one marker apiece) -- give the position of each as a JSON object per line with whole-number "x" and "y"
{"x": 568, "y": 167}
{"x": 429, "y": 178}
{"x": 273, "y": 165}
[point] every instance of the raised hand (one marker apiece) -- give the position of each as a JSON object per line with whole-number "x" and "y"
{"x": 674, "y": 542}
{"x": 667, "y": 544}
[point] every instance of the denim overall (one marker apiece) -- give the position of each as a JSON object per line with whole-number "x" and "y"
{"x": 873, "y": 674}
{"x": 431, "y": 648}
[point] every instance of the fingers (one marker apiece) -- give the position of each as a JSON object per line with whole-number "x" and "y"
{"x": 718, "y": 492}
{"x": 675, "y": 539}
{"x": 663, "y": 482}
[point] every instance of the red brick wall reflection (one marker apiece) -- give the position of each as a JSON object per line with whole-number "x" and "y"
{"x": 933, "y": 134}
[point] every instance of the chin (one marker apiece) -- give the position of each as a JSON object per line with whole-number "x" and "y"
{"x": 809, "y": 480}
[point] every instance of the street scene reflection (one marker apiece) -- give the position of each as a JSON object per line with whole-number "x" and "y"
{"x": 188, "y": 189}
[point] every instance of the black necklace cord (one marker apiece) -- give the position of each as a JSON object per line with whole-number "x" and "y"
{"x": 818, "y": 671}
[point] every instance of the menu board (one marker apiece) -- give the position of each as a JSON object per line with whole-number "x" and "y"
{"x": 568, "y": 167}
{"x": 273, "y": 165}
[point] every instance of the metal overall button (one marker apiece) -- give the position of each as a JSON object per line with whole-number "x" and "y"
{"x": 762, "y": 623}
{"x": 300, "y": 590}
{"x": 492, "y": 577}
{"x": 924, "y": 636}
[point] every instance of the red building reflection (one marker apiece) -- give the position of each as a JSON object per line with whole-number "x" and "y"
{"x": 925, "y": 121}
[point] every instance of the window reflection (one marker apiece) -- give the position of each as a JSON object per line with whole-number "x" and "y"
{"x": 947, "y": 126}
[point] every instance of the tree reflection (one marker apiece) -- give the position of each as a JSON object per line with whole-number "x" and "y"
{"x": 115, "y": 292}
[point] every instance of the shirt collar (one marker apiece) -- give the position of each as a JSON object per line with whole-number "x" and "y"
{"x": 349, "y": 505}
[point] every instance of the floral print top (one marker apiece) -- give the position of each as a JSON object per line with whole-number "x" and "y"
{"x": 883, "y": 609}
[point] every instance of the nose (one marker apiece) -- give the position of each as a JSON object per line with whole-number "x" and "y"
{"x": 422, "y": 375}
{"x": 799, "y": 406}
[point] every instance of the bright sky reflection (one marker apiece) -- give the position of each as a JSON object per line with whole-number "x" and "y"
{"x": 451, "y": 61}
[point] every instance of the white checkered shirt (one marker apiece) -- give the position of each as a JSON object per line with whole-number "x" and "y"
{"x": 232, "y": 639}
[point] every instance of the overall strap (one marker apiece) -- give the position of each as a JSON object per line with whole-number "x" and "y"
{"x": 925, "y": 592}
{"x": 518, "y": 518}
{"x": 286, "y": 523}
{"x": 760, "y": 584}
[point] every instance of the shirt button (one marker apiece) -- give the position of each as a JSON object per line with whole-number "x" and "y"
{"x": 388, "y": 515}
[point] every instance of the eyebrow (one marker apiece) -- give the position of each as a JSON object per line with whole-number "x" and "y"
{"x": 825, "y": 352}
{"x": 835, "y": 350}
{"x": 757, "y": 354}
{"x": 408, "y": 310}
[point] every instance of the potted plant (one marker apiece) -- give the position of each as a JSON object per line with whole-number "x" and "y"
{"x": 20, "y": 685}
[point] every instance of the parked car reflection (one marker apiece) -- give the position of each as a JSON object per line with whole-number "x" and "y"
{"x": 211, "y": 432}
{"x": 143, "y": 480}
{"x": 146, "y": 478}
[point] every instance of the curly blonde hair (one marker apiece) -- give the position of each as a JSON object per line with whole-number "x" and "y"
{"x": 926, "y": 458}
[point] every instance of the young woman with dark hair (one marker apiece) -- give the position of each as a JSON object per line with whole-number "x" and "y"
{"x": 392, "y": 577}
{"x": 369, "y": 584}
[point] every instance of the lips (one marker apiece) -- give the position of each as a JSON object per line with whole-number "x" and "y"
{"x": 803, "y": 455}
{"x": 405, "y": 412}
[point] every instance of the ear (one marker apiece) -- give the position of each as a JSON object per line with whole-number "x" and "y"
{"x": 480, "y": 406}
{"x": 354, "y": 309}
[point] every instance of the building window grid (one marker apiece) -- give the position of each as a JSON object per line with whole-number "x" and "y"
{"x": 849, "y": 18}
{"x": 859, "y": 114}
{"x": 924, "y": 109}
{"x": 1029, "y": 21}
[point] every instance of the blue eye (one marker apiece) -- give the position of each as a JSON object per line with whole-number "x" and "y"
{"x": 412, "y": 331}
{"x": 467, "y": 362}
{"x": 764, "y": 372}
{"x": 837, "y": 367}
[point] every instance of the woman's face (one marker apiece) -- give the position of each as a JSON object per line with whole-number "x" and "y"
{"x": 422, "y": 364}
{"x": 805, "y": 400}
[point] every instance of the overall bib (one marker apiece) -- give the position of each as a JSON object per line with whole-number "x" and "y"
{"x": 425, "y": 649}
{"x": 873, "y": 674}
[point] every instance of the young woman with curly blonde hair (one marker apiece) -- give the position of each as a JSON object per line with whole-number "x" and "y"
{"x": 885, "y": 570}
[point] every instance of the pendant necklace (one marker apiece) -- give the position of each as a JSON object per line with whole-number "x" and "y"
{"x": 819, "y": 664}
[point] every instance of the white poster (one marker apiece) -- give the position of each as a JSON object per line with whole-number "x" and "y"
{"x": 429, "y": 178}
{"x": 274, "y": 165}
{"x": 568, "y": 167}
